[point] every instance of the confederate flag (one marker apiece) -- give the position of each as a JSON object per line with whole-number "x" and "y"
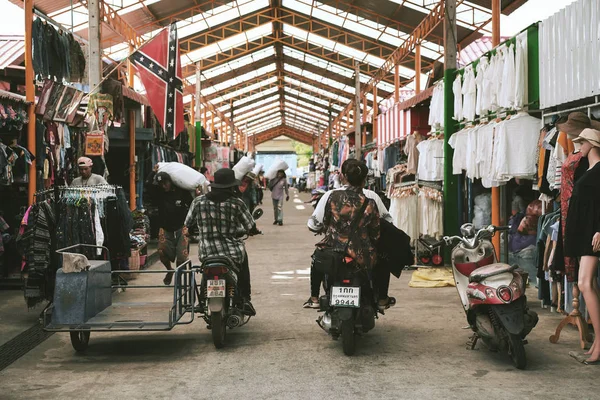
{"x": 160, "y": 70}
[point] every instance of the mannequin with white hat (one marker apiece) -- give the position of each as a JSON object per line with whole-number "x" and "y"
{"x": 582, "y": 232}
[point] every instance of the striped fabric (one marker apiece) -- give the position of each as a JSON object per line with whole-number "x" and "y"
{"x": 393, "y": 125}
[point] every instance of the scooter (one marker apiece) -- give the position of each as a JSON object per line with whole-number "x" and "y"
{"x": 492, "y": 293}
{"x": 349, "y": 304}
{"x": 221, "y": 305}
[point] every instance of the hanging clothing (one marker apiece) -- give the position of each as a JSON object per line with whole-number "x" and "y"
{"x": 506, "y": 98}
{"x": 480, "y": 107}
{"x": 431, "y": 160}
{"x": 458, "y": 100}
{"x": 521, "y": 79}
{"x": 469, "y": 91}
{"x": 411, "y": 150}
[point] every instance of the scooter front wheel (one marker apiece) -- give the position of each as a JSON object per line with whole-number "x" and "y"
{"x": 516, "y": 351}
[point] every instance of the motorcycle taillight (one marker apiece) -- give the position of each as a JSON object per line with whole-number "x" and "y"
{"x": 215, "y": 271}
{"x": 505, "y": 294}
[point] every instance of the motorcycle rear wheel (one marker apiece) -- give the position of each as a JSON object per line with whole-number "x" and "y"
{"x": 516, "y": 351}
{"x": 348, "y": 337}
{"x": 218, "y": 329}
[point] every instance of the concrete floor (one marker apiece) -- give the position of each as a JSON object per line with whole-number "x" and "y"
{"x": 416, "y": 351}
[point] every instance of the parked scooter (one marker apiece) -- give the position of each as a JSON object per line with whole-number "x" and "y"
{"x": 350, "y": 305}
{"x": 492, "y": 293}
{"x": 221, "y": 305}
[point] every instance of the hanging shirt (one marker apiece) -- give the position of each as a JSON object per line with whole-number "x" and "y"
{"x": 431, "y": 160}
{"x": 521, "y": 81}
{"x": 458, "y": 101}
{"x": 469, "y": 90}
{"x": 507, "y": 88}
{"x": 480, "y": 107}
{"x": 458, "y": 142}
{"x": 488, "y": 97}
{"x": 410, "y": 149}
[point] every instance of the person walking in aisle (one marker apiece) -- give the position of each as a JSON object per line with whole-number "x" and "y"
{"x": 173, "y": 205}
{"x": 277, "y": 187}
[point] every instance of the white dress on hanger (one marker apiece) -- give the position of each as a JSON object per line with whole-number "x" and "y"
{"x": 480, "y": 107}
{"x": 458, "y": 100}
{"x": 521, "y": 80}
{"x": 469, "y": 90}
{"x": 507, "y": 88}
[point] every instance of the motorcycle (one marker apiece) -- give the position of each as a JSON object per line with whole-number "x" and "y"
{"x": 316, "y": 195}
{"x": 221, "y": 304}
{"x": 349, "y": 304}
{"x": 492, "y": 293}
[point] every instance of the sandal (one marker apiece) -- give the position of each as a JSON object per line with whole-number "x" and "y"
{"x": 391, "y": 301}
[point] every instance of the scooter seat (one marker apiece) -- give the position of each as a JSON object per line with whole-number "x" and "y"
{"x": 488, "y": 271}
{"x": 217, "y": 260}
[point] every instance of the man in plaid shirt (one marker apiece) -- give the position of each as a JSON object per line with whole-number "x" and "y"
{"x": 223, "y": 219}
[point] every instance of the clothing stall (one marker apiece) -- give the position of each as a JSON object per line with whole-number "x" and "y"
{"x": 66, "y": 216}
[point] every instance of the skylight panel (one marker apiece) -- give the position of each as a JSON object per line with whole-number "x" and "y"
{"x": 255, "y": 104}
{"x": 309, "y": 96}
{"x": 317, "y": 90}
{"x": 306, "y": 104}
{"x": 239, "y": 79}
{"x": 244, "y": 90}
{"x": 255, "y": 96}
{"x": 250, "y": 120}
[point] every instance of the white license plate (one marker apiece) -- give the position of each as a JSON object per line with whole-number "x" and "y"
{"x": 345, "y": 296}
{"x": 215, "y": 288}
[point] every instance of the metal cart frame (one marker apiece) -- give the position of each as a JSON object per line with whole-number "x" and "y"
{"x": 184, "y": 299}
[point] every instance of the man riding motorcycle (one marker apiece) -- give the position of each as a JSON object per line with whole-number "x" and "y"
{"x": 222, "y": 219}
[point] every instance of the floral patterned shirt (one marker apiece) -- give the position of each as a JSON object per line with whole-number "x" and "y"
{"x": 342, "y": 208}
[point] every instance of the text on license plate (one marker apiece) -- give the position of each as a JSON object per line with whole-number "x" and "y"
{"x": 215, "y": 288}
{"x": 345, "y": 296}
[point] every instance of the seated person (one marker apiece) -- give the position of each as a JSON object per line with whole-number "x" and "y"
{"x": 222, "y": 219}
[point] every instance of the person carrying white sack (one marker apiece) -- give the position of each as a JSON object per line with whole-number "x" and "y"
{"x": 278, "y": 186}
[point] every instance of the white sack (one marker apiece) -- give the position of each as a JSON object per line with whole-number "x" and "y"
{"x": 277, "y": 165}
{"x": 242, "y": 167}
{"x": 183, "y": 177}
{"x": 257, "y": 169}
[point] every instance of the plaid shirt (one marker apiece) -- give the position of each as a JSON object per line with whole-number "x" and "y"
{"x": 220, "y": 226}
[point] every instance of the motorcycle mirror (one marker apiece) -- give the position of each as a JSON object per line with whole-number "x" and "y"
{"x": 257, "y": 213}
{"x": 467, "y": 230}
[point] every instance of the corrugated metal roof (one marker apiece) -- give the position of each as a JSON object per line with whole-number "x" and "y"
{"x": 476, "y": 49}
{"x": 12, "y": 50}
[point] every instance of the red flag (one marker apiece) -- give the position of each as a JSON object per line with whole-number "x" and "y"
{"x": 159, "y": 65}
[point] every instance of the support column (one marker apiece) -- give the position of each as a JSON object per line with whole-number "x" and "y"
{"x": 364, "y": 119}
{"x": 330, "y": 128}
{"x": 397, "y": 84}
{"x": 196, "y": 114}
{"x": 357, "y": 133}
{"x": 418, "y": 69}
{"x": 451, "y": 186}
{"x": 95, "y": 59}
{"x": 131, "y": 123}
{"x": 496, "y": 190}
{"x": 231, "y": 133}
{"x": 30, "y": 96}
{"x": 212, "y": 125}
{"x": 375, "y": 113}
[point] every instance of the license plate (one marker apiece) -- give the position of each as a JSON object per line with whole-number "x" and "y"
{"x": 215, "y": 288}
{"x": 344, "y": 296}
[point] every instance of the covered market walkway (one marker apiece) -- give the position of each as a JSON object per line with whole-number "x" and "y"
{"x": 416, "y": 351}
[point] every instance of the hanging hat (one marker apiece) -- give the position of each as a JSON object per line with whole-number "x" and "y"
{"x": 589, "y": 135}
{"x": 85, "y": 162}
{"x": 225, "y": 178}
{"x": 576, "y": 123}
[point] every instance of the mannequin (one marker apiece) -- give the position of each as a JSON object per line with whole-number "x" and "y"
{"x": 582, "y": 233}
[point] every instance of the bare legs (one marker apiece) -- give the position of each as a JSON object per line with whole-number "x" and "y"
{"x": 588, "y": 267}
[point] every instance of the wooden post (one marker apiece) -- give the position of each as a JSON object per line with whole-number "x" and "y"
{"x": 375, "y": 113}
{"x": 397, "y": 84}
{"x": 417, "y": 69}
{"x": 30, "y": 97}
{"x": 95, "y": 59}
{"x": 131, "y": 122}
{"x": 364, "y": 119}
{"x": 357, "y": 133}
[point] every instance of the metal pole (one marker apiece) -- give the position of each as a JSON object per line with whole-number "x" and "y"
{"x": 375, "y": 113}
{"x": 451, "y": 186}
{"x": 198, "y": 123}
{"x": 357, "y": 134}
{"x": 131, "y": 121}
{"x": 417, "y": 69}
{"x": 330, "y": 132}
{"x": 231, "y": 136}
{"x": 397, "y": 84}
{"x": 30, "y": 97}
{"x": 496, "y": 190}
{"x": 95, "y": 61}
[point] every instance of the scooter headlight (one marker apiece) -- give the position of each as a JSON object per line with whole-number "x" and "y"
{"x": 505, "y": 294}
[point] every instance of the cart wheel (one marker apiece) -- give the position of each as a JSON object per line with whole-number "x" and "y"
{"x": 218, "y": 326}
{"x": 80, "y": 340}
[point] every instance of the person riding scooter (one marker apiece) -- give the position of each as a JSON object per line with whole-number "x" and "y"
{"x": 222, "y": 219}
